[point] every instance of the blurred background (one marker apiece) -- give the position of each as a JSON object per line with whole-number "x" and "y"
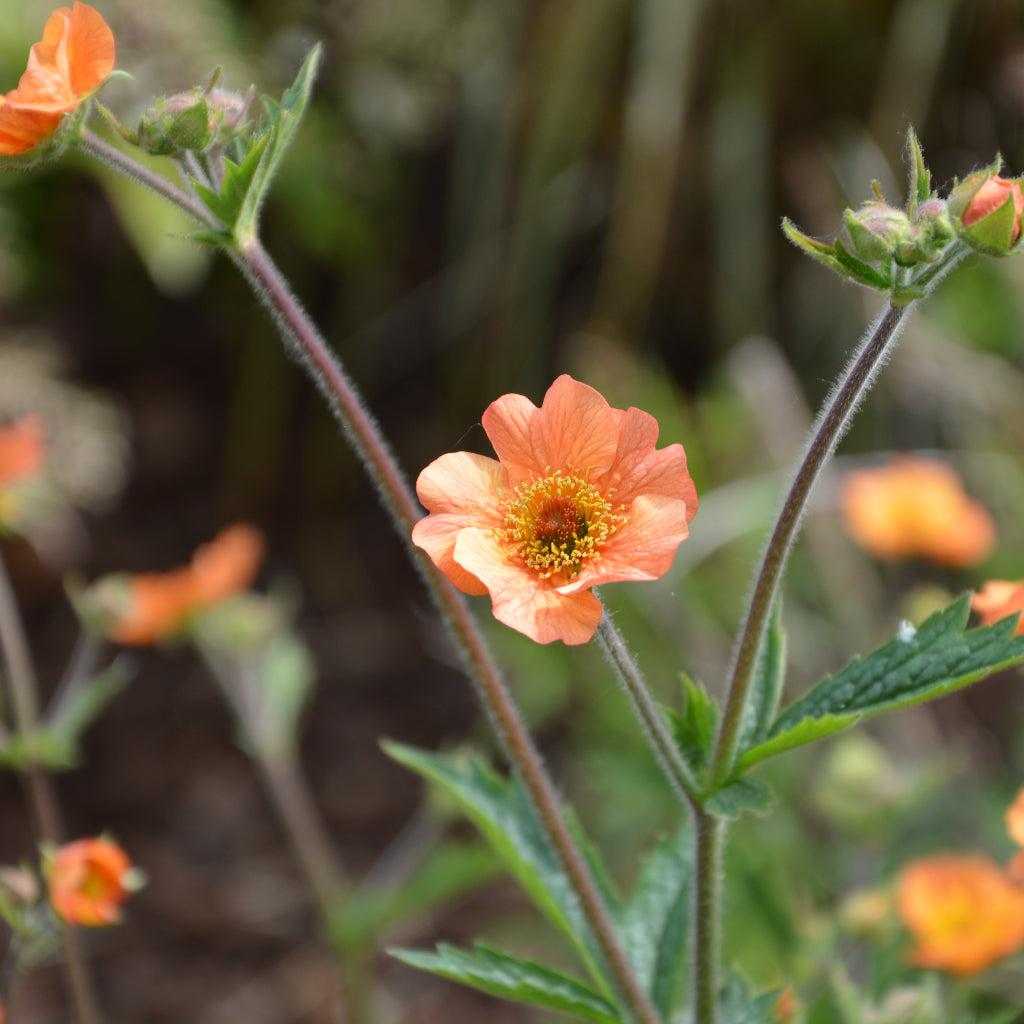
{"x": 485, "y": 194}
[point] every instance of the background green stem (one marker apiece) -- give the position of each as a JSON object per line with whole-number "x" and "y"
{"x": 24, "y": 693}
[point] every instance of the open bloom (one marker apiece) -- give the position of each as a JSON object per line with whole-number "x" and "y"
{"x": 916, "y": 507}
{"x": 963, "y": 911}
{"x": 999, "y": 599}
{"x": 89, "y": 879}
{"x": 578, "y": 496}
{"x": 158, "y": 604}
{"x": 75, "y": 55}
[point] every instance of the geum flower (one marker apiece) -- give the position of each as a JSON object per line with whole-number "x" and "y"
{"x": 22, "y": 450}
{"x": 578, "y": 496}
{"x": 150, "y": 607}
{"x": 999, "y": 599}
{"x": 88, "y": 881}
{"x": 916, "y": 507}
{"x": 75, "y": 56}
{"x": 964, "y": 912}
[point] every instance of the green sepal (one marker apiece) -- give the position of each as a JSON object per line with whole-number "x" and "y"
{"x": 934, "y": 660}
{"x": 837, "y": 259}
{"x": 282, "y": 123}
{"x": 920, "y": 177}
{"x": 524, "y": 981}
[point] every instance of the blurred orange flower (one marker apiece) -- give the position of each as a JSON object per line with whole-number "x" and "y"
{"x": 75, "y": 55}
{"x": 160, "y": 603}
{"x": 579, "y": 496}
{"x": 22, "y": 450}
{"x": 964, "y": 912}
{"x": 916, "y": 507}
{"x": 88, "y": 881}
{"x": 997, "y": 600}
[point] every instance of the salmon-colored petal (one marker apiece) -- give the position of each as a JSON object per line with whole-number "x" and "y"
{"x": 437, "y": 534}
{"x": 464, "y": 484}
{"x": 86, "y": 881}
{"x": 999, "y": 599}
{"x": 228, "y": 564}
{"x": 518, "y": 599}
{"x": 574, "y": 428}
{"x": 91, "y": 49}
{"x": 643, "y": 548}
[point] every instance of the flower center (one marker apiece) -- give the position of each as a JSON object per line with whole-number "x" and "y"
{"x": 557, "y": 522}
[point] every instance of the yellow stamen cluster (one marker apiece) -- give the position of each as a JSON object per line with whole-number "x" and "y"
{"x": 557, "y": 522}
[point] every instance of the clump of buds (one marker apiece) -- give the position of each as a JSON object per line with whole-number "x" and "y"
{"x": 202, "y": 118}
{"x": 880, "y": 232}
{"x": 989, "y": 210}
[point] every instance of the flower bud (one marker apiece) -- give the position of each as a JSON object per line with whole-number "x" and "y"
{"x": 990, "y": 210}
{"x": 191, "y": 121}
{"x": 877, "y": 231}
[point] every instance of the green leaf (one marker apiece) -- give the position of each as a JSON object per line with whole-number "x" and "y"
{"x": 228, "y": 204}
{"x": 502, "y": 811}
{"x": 742, "y": 795}
{"x": 523, "y": 981}
{"x": 694, "y": 728}
{"x": 656, "y": 919}
{"x": 766, "y": 689}
{"x": 936, "y": 659}
{"x": 282, "y": 123}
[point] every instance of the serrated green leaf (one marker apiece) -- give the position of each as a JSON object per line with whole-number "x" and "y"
{"x": 742, "y": 795}
{"x": 502, "y": 811}
{"x": 501, "y": 974}
{"x": 655, "y": 923}
{"x": 766, "y": 688}
{"x": 938, "y": 658}
{"x": 227, "y": 204}
{"x": 450, "y": 870}
{"x": 282, "y": 123}
{"x": 694, "y": 727}
{"x": 859, "y": 271}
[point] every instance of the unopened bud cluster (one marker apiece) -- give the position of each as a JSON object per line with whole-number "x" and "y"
{"x": 879, "y": 232}
{"x": 196, "y": 120}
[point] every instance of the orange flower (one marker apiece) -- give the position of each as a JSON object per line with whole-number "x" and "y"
{"x": 22, "y": 450}
{"x": 997, "y": 600}
{"x": 963, "y": 911}
{"x": 916, "y": 507}
{"x": 994, "y": 195}
{"x": 89, "y": 880}
{"x": 579, "y": 496}
{"x": 76, "y": 54}
{"x": 160, "y": 603}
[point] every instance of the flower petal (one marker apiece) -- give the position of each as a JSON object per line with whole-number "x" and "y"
{"x": 521, "y": 599}
{"x": 91, "y": 49}
{"x": 574, "y": 428}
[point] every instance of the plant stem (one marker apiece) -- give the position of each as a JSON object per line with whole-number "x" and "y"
{"x": 646, "y": 709}
{"x": 24, "y": 691}
{"x": 825, "y": 435}
{"x": 707, "y": 940}
{"x": 398, "y": 498}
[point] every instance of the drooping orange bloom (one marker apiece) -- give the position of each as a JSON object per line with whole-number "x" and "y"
{"x": 160, "y": 603}
{"x": 75, "y": 55}
{"x": 916, "y": 507}
{"x": 579, "y": 496}
{"x": 22, "y": 450}
{"x": 88, "y": 881}
{"x": 963, "y": 911}
{"x": 997, "y": 600}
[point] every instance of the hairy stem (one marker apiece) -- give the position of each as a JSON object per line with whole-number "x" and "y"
{"x": 646, "y": 709}
{"x": 825, "y": 435}
{"x": 24, "y": 693}
{"x": 707, "y": 940}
